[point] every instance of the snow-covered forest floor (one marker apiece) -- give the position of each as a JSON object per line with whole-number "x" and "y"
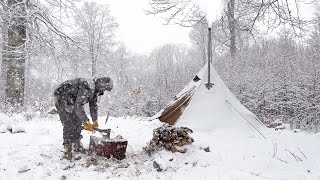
{"x": 233, "y": 154}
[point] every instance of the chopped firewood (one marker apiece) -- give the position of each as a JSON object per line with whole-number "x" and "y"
{"x": 170, "y": 138}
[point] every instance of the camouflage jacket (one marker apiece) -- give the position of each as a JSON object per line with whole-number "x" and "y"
{"x": 76, "y": 93}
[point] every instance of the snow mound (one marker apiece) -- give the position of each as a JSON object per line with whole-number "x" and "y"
{"x": 12, "y": 128}
{"x": 3, "y": 128}
{"x": 18, "y": 129}
{"x": 4, "y": 119}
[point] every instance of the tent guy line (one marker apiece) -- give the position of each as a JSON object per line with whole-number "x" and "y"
{"x": 246, "y": 120}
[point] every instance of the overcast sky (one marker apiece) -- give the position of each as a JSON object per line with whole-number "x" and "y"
{"x": 141, "y": 33}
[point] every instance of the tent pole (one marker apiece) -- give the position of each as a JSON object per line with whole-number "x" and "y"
{"x": 209, "y": 84}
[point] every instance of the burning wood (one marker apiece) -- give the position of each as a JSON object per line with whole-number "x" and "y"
{"x": 170, "y": 138}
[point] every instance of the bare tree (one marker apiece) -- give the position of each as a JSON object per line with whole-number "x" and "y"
{"x": 232, "y": 27}
{"x": 240, "y": 15}
{"x": 121, "y": 63}
{"x": 96, "y": 31}
{"x": 183, "y": 12}
{"x": 199, "y": 38}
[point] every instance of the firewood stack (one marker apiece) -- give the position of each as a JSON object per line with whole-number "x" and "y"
{"x": 170, "y": 138}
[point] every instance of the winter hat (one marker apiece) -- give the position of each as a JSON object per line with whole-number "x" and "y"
{"x": 103, "y": 83}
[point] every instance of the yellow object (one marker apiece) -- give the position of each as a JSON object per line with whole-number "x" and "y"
{"x": 95, "y": 124}
{"x": 88, "y": 126}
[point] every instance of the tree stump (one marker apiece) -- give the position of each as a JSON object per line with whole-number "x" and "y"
{"x": 108, "y": 147}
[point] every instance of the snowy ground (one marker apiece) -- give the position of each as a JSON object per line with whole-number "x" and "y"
{"x": 233, "y": 155}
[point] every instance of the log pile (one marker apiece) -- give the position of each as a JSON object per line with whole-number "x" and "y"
{"x": 170, "y": 138}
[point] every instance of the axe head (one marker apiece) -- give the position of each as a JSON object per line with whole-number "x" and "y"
{"x": 104, "y": 132}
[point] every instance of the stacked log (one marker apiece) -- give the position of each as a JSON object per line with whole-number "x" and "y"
{"x": 170, "y": 138}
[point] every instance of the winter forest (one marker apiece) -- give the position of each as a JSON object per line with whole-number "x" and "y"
{"x": 160, "y": 89}
{"x": 267, "y": 56}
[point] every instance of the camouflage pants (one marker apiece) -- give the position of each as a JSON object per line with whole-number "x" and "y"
{"x": 70, "y": 122}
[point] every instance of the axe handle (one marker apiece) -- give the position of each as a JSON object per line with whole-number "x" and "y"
{"x": 101, "y": 130}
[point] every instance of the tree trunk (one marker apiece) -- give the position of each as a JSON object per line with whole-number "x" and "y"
{"x": 232, "y": 28}
{"x": 14, "y": 55}
{"x": 4, "y": 38}
{"x": 93, "y": 60}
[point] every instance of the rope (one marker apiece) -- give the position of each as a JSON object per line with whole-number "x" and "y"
{"x": 246, "y": 119}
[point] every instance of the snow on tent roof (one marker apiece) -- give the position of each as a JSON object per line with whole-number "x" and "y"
{"x": 198, "y": 108}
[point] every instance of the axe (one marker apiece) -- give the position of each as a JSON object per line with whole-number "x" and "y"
{"x": 104, "y": 132}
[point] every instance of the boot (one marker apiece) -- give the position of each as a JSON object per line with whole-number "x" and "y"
{"x": 67, "y": 151}
{"x": 77, "y": 146}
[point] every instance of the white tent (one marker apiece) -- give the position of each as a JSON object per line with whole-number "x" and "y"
{"x": 200, "y": 108}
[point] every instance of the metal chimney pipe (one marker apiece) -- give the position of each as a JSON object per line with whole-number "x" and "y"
{"x": 209, "y": 84}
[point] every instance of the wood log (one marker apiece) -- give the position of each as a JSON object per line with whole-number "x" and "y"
{"x": 170, "y": 138}
{"x": 108, "y": 147}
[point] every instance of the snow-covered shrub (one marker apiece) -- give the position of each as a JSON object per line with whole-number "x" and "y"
{"x": 18, "y": 129}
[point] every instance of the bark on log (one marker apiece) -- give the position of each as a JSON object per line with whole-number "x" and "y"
{"x": 108, "y": 147}
{"x": 170, "y": 138}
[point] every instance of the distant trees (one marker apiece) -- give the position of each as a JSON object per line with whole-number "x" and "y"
{"x": 158, "y": 77}
{"x": 173, "y": 66}
{"x": 121, "y": 61}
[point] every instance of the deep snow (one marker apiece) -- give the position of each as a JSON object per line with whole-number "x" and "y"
{"x": 233, "y": 154}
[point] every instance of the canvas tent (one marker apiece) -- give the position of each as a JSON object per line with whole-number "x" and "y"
{"x": 200, "y": 108}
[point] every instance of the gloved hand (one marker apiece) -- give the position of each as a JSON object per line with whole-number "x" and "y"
{"x": 88, "y": 126}
{"x": 95, "y": 124}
